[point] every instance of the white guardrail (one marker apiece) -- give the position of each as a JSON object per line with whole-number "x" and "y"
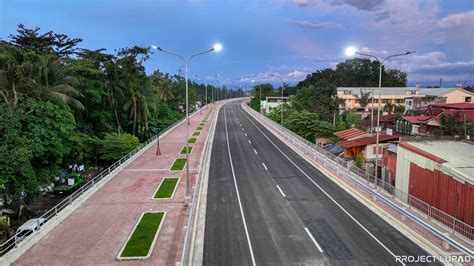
{"x": 10, "y": 244}
{"x": 364, "y": 179}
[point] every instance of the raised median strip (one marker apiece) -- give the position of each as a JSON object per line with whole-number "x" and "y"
{"x": 167, "y": 188}
{"x": 183, "y": 151}
{"x": 141, "y": 241}
{"x": 178, "y": 164}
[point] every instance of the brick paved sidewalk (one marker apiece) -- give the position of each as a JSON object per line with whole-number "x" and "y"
{"x": 96, "y": 231}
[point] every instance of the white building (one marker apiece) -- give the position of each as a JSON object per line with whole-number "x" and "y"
{"x": 271, "y": 102}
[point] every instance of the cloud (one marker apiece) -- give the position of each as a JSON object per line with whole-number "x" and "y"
{"x": 456, "y": 28}
{"x": 276, "y": 76}
{"x": 360, "y": 4}
{"x": 310, "y": 25}
{"x": 301, "y": 2}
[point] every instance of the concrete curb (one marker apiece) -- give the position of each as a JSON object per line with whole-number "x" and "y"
{"x": 197, "y": 240}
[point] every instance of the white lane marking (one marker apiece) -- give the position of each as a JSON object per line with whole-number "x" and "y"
{"x": 314, "y": 240}
{"x": 245, "y": 134}
{"x": 318, "y": 186}
{"x": 250, "y": 142}
{"x": 281, "y": 191}
{"x": 242, "y": 129}
{"x": 264, "y": 166}
{"x": 254, "y": 150}
{"x": 237, "y": 191}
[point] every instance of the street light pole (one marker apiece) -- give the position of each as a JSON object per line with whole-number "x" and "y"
{"x": 377, "y": 129}
{"x": 217, "y": 48}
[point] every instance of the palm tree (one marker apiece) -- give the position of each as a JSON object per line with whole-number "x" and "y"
{"x": 364, "y": 99}
{"x": 115, "y": 88}
{"x": 55, "y": 84}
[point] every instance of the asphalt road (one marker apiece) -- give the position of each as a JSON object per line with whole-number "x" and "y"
{"x": 267, "y": 205}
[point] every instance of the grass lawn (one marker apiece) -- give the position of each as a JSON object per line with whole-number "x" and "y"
{"x": 196, "y": 133}
{"x": 166, "y": 189}
{"x": 202, "y": 124}
{"x": 192, "y": 140}
{"x": 142, "y": 238}
{"x": 183, "y": 151}
{"x": 178, "y": 164}
{"x": 199, "y": 128}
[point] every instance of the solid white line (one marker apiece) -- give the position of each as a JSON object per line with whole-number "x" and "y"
{"x": 254, "y": 150}
{"x": 265, "y": 166}
{"x": 316, "y": 184}
{"x": 250, "y": 142}
{"x": 281, "y": 191}
{"x": 237, "y": 191}
{"x": 314, "y": 240}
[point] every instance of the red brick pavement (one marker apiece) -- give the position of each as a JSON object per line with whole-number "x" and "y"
{"x": 95, "y": 232}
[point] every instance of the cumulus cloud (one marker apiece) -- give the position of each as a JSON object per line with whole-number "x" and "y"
{"x": 310, "y": 25}
{"x": 272, "y": 76}
{"x": 454, "y": 28}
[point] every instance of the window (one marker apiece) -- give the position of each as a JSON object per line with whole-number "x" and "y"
{"x": 347, "y": 93}
{"x": 375, "y": 148}
{"x": 468, "y": 99}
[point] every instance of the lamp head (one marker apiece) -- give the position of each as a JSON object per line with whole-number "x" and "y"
{"x": 350, "y": 51}
{"x": 156, "y": 47}
{"x": 217, "y": 47}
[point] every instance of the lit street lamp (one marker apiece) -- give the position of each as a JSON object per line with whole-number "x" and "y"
{"x": 351, "y": 51}
{"x": 217, "y": 48}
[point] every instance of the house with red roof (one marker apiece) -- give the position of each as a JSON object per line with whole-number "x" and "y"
{"x": 365, "y": 146}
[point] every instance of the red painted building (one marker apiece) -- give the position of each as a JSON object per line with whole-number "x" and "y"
{"x": 440, "y": 173}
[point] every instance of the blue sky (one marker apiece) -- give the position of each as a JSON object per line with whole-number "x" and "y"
{"x": 284, "y": 38}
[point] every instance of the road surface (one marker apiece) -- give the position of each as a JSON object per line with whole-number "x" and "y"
{"x": 267, "y": 205}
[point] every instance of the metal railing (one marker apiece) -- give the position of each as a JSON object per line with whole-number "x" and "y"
{"x": 455, "y": 226}
{"x": 48, "y": 215}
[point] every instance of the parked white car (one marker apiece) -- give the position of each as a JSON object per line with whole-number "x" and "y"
{"x": 28, "y": 228}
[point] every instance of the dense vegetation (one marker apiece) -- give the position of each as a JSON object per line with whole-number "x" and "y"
{"x": 60, "y": 104}
{"x": 313, "y": 111}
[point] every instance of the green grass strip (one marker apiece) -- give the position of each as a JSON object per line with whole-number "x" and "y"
{"x": 196, "y": 133}
{"x": 192, "y": 140}
{"x": 202, "y": 124}
{"x": 190, "y": 149}
{"x": 142, "y": 238}
{"x": 199, "y": 128}
{"x": 166, "y": 189}
{"x": 178, "y": 164}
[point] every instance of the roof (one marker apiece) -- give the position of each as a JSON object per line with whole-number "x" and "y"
{"x": 469, "y": 114}
{"x": 455, "y": 157}
{"x": 399, "y": 90}
{"x": 384, "y": 118}
{"x": 416, "y": 119}
{"x": 454, "y": 105}
{"x": 350, "y": 133}
{"x": 365, "y": 141}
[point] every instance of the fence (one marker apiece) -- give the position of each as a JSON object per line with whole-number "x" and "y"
{"x": 13, "y": 241}
{"x": 455, "y": 226}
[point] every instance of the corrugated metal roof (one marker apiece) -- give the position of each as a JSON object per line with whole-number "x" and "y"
{"x": 416, "y": 119}
{"x": 350, "y": 133}
{"x": 365, "y": 141}
{"x": 459, "y": 157}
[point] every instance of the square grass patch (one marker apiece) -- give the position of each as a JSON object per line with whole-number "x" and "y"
{"x": 192, "y": 140}
{"x": 196, "y": 133}
{"x": 141, "y": 241}
{"x": 178, "y": 164}
{"x": 183, "y": 151}
{"x": 199, "y": 128}
{"x": 202, "y": 124}
{"x": 167, "y": 188}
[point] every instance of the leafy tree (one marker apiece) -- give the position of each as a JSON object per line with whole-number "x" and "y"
{"x": 114, "y": 146}
{"x": 399, "y": 109}
{"x": 49, "y": 42}
{"x": 308, "y": 125}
